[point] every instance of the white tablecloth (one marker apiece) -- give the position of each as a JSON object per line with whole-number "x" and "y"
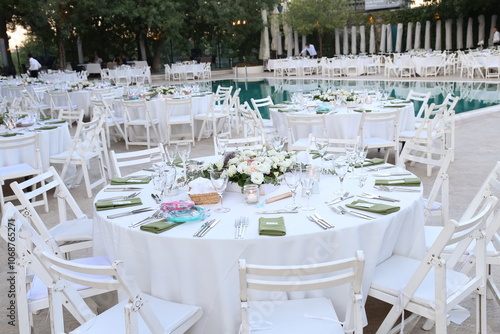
{"x": 345, "y": 123}
{"x": 50, "y": 142}
{"x": 204, "y": 271}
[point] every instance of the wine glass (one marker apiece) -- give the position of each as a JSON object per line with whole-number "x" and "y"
{"x": 183, "y": 150}
{"x": 222, "y": 140}
{"x": 307, "y": 182}
{"x": 171, "y": 153}
{"x": 341, "y": 167}
{"x": 321, "y": 144}
{"x": 350, "y": 152}
{"x": 292, "y": 179}
{"x": 159, "y": 183}
{"x": 157, "y": 162}
{"x": 219, "y": 181}
{"x": 277, "y": 142}
{"x": 362, "y": 152}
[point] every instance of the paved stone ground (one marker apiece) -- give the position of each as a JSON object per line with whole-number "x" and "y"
{"x": 476, "y": 153}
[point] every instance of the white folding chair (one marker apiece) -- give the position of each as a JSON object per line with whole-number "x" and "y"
{"x": 303, "y": 123}
{"x": 102, "y": 105}
{"x": 32, "y": 102}
{"x": 433, "y": 286}
{"x": 217, "y": 114}
{"x": 32, "y": 279}
{"x": 168, "y": 72}
{"x": 128, "y": 159}
{"x": 449, "y": 103}
{"x": 62, "y": 107}
{"x": 307, "y": 315}
{"x": 68, "y": 234}
{"x": 28, "y": 166}
{"x": 180, "y": 116}
{"x": 207, "y": 70}
{"x": 89, "y": 143}
{"x": 138, "y": 313}
{"x": 422, "y": 98}
{"x": 262, "y": 103}
{"x": 388, "y": 141}
{"x": 178, "y": 72}
{"x": 254, "y": 143}
{"x": 139, "y": 117}
{"x": 234, "y": 113}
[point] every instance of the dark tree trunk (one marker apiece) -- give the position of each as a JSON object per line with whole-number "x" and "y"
{"x": 5, "y": 37}
{"x": 155, "y": 66}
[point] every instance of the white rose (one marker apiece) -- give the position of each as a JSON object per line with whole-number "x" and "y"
{"x": 232, "y": 170}
{"x": 257, "y": 177}
{"x": 219, "y": 164}
{"x": 264, "y": 168}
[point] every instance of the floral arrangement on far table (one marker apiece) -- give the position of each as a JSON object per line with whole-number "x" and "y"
{"x": 248, "y": 166}
{"x": 330, "y": 95}
{"x": 164, "y": 90}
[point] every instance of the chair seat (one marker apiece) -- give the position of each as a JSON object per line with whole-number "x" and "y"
{"x": 300, "y": 143}
{"x": 39, "y": 290}
{"x": 73, "y": 230}
{"x": 140, "y": 121}
{"x": 435, "y": 205}
{"x": 116, "y": 120}
{"x": 210, "y": 116}
{"x": 378, "y": 141}
{"x": 61, "y": 157}
{"x": 73, "y": 107}
{"x": 172, "y": 316}
{"x": 392, "y": 275}
{"x": 422, "y": 135}
{"x": 18, "y": 169}
{"x": 180, "y": 119}
{"x": 285, "y": 312}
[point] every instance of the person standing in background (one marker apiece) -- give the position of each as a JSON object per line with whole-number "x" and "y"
{"x": 310, "y": 50}
{"x": 496, "y": 36}
{"x": 34, "y": 66}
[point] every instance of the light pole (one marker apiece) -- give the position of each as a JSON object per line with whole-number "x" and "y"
{"x": 18, "y": 60}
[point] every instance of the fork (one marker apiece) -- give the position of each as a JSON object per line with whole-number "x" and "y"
{"x": 237, "y": 228}
{"x": 314, "y": 220}
{"x": 386, "y": 188}
{"x": 383, "y": 198}
{"x": 344, "y": 211}
{"x": 133, "y": 195}
{"x": 318, "y": 217}
{"x": 376, "y": 169}
{"x": 244, "y": 227}
{"x": 157, "y": 214}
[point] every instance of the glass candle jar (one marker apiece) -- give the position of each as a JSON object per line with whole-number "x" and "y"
{"x": 251, "y": 193}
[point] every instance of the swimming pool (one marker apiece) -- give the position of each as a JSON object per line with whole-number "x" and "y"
{"x": 473, "y": 95}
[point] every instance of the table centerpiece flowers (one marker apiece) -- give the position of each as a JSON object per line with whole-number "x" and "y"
{"x": 332, "y": 95}
{"x": 163, "y": 90}
{"x": 253, "y": 167}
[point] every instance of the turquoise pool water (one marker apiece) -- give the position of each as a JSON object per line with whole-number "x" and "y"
{"x": 473, "y": 95}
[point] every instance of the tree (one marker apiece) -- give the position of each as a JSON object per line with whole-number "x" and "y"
{"x": 307, "y": 16}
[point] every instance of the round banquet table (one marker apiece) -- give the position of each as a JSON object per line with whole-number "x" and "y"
{"x": 343, "y": 122}
{"x": 178, "y": 267}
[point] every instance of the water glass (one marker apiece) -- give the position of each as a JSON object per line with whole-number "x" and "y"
{"x": 341, "y": 167}
{"x": 219, "y": 182}
{"x": 222, "y": 140}
{"x": 307, "y": 182}
{"x": 171, "y": 152}
{"x": 292, "y": 178}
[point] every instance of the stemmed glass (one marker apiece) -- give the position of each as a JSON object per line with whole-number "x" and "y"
{"x": 277, "y": 142}
{"x": 362, "y": 151}
{"x": 222, "y": 140}
{"x": 171, "y": 153}
{"x": 157, "y": 162}
{"x": 350, "y": 152}
{"x": 321, "y": 144}
{"x": 307, "y": 182}
{"x": 219, "y": 181}
{"x": 170, "y": 178}
{"x": 183, "y": 150}
{"x": 341, "y": 167}
{"x": 10, "y": 121}
{"x": 292, "y": 179}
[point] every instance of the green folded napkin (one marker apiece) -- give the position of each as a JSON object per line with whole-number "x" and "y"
{"x": 287, "y": 102}
{"x": 55, "y": 122}
{"x": 361, "y": 110}
{"x": 272, "y": 226}
{"x": 371, "y": 162}
{"x": 391, "y": 98}
{"x": 395, "y": 106}
{"x": 127, "y": 180}
{"x": 11, "y": 134}
{"x": 273, "y": 106}
{"x": 108, "y": 205}
{"x": 396, "y": 102}
{"x": 382, "y": 209}
{"x": 159, "y": 226}
{"x": 409, "y": 181}
{"x": 321, "y": 112}
{"x": 284, "y": 110}
{"x": 45, "y": 118}
{"x": 47, "y": 128}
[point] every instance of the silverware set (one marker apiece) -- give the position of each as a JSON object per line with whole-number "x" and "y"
{"x": 119, "y": 198}
{"x": 376, "y": 169}
{"x": 206, "y": 227}
{"x": 382, "y": 198}
{"x": 323, "y": 223}
{"x": 340, "y": 210}
{"x": 123, "y": 189}
{"x": 391, "y": 189}
{"x": 129, "y": 213}
{"x": 240, "y": 226}
{"x": 157, "y": 215}
{"x": 339, "y": 199}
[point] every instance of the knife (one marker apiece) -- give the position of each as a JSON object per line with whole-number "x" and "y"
{"x": 203, "y": 227}
{"x": 338, "y": 200}
{"x": 133, "y": 212}
{"x": 123, "y": 189}
{"x": 360, "y": 215}
{"x": 391, "y": 174}
{"x": 276, "y": 211}
{"x": 202, "y": 234}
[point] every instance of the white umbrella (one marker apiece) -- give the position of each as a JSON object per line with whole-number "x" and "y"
{"x": 337, "y": 42}
{"x": 264, "y": 52}
{"x": 399, "y": 38}
{"x": 469, "y": 43}
{"x": 460, "y": 33}
{"x": 409, "y": 35}
{"x": 353, "y": 40}
{"x": 438, "y": 35}
{"x": 346, "y": 41}
{"x": 447, "y": 26}
{"x": 288, "y": 32}
{"x": 480, "y": 32}
{"x": 390, "y": 48}
{"x": 493, "y": 25}
{"x": 296, "y": 42}
{"x": 372, "y": 40}
{"x": 304, "y": 41}
{"x": 275, "y": 29}
{"x": 362, "y": 40}
{"x": 383, "y": 37}
{"x": 418, "y": 27}
{"x": 427, "y": 41}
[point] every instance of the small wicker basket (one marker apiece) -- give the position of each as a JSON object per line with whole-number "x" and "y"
{"x": 208, "y": 198}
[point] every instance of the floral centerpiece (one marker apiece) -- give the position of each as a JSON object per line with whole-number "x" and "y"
{"x": 330, "y": 95}
{"x": 164, "y": 90}
{"x": 251, "y": 167}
